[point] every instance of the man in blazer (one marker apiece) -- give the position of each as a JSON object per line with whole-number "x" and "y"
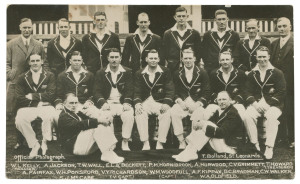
{"x": 81, "y": 135}
{"x": 265, "y": 94}
{"x": 96, "y": 45}
{"x": 18, "y": 51}
{"x": 219, "y": 131}
{"x": 153, "y": 94}
{"x": 35, "y": 90}
{"x": 217, "y": 40}
{"x": 192, "y": 92}
{"x": 113, "y": 93}
{"x": 244, "y": 53}
{"x": 138, "y": 44}
{"x": 60, "y": 46}
{"x": 181, "y": 36}
{"x": 282, "y": 57}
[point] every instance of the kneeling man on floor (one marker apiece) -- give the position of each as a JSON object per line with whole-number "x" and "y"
{"x": 218, "y": 131}
{"x": 85, "y": 135}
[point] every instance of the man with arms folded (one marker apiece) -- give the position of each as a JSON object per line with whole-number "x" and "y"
{"x": 191, "y": 94}
{"x": 218, "y": 131}
{"x": 113, "y": 93}
{"x": 265, "y": 93}
{"x": 153, "y": 94}
{"x": 35, "y": 90}
{"x": 82, "y": 135}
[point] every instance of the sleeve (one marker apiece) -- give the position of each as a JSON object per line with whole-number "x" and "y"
{"x": 126, "y": 53}
{"x": 237, "y": 57}
{"x": 9, "y": 71}
{"x": 240, "y": 97}
{"x": 99, "y": 99}
{"x": 280, "y": 90}
{"x": 128, "y": 88}
{"x": 137, "y": 88}
{"x": 44, "y": 56}
{"x": 68, "y": 123}
{"x": 249, "y": 90}
{"x": 165, "y": 46}
{"x": 60, "y": 90}
{"x": 197, "y": 49}
{"x": 214, "y": 87}
{"x": 22, "y": 101}
{"x": 162, "y": 61}
{"x": 90, "y": 87}
{"x": 50, "y": 57}
{"x": 205, "y": 92}
{"x": 176, "y": 86}
{"x": 227, "y": 128}
{"x": 49, "y": 94}
{"x": 170, "y": 89}
{"x": 85, "y": 50}
{"x": 204, "y": 48}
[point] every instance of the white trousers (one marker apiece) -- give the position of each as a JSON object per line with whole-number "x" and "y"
{"x": 127, "y": 118}
{"x": 90, "y": 140}
{"x": 26, "y": 115}
{"x": 177, "y": 114}
{"x": 164, "y": 120}
{"x": 198, "y": 140}
{"x": 271, "y": 114}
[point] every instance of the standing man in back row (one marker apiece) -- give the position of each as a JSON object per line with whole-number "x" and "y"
{"x": 140, "y": 43}
{"x": 96, "y": 45}
{"x": 181, "y": 36}
{"x": 218, "y": 40}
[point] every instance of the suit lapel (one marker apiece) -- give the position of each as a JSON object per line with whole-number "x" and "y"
{"x": 183, "y": 79}
{"x": 57, "y": 46}
{"x": 42, "y": 78}
{"x": 30, "y": 48}
{"x": 196, "y": 74}
{"x": 227, "y": 37}
{"x": 29, "y": 80}
{"x": 223, "y": 114}
{"x": 70, "y": 76}
{"x": 220, "y": 77}
{"x": 22, "y": 46}
{"x": 233, "y": 75}
{"x": 186, "y": 35}
{"x": 93, "y": 41}
{"x": 289, "y": 45}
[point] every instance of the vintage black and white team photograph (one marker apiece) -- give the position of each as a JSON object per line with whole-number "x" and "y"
{"x": 150, "y": 92}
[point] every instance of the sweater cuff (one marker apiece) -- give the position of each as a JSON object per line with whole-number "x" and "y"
{"x": 210, "y": 131}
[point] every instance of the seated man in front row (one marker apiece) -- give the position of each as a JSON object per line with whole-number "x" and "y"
{"x": 35, "y": 90}
{"x": 153, "y": 94}
{"x": 265, "y": 93}
{"x": 218, "y": 131}
{"x": 82, "y": 135}
{"x": 113, "y": 92}
{"x": 191, "y": 94}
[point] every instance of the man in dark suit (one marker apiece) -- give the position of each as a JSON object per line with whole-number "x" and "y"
{"x": 18, "y": 51}
{"x": 35, "y": 90}
{"x": 81, "y": 135}
{"x": 181, "y": 36}
{"x": 244, "y": 53}
{"x": 217, "y": 40}
{"x": 153, "y": 94}
{"x": 265, "y": 94}
{"x": 192, "y": 92}
{"x": 138, "y": 44}
{"x": 60, "y": 46}
{"x": 219, "y": 131}
{"x": 113, "y": 93}
{"x": 282, "y": 57}
{"x": 96, "y": 45}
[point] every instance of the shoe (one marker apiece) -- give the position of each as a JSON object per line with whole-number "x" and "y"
{"x": 34, "y": 150}
{"x": 159, "y": 145}
{"x": 257, "y": 146}
{"x": 44, "y": 147}
{"x": 292, "y": 145}
{"x": 182, "y": 145}
{"x": 111, "y": 157}
{"x": 146, "y": 146}
{"x": 186, "y": 156}
{"x": 125, "y": 146}
{"x": 268, "y": 153}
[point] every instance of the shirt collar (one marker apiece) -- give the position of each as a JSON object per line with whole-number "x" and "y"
{"x": 270, "y": 67}
{"x": 256, "y": 38}
{"x": 137, "y": 32}
{"x": 38, "y": 72}
{"x": 82, "y": 70}
{"x": 215, "y": 29}
{"x": 158, "y": 69}
{"x": 174, "y": 28}
{"x": 120, "y": 69}
{"x": 189, "y": 71}
{"x": 106, "y": 31}
{"x": 24, "y": 39}
{"x": 67, "y": 38}
{"x": 221, "y": 69}
{"x": 286, "y": 38}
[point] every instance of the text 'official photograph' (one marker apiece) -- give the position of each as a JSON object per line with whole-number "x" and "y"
{"x": 150, "y": 92}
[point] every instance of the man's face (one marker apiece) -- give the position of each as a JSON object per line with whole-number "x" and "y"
{"x": 225, "y": 61}
{"x": 63, "y": 28}
{"x": 284, "y": 27}
{"x": 262, "y": 58}
{"x": 35, "y": 62}
{"x": 114, "y": 59}
{"x": 76, "y": 62}
{"x": 143, "y": 23}
{"x": 188, "y": 60}
{"x": 152, "y": 59}
{"x": 100, "y": 21}
{"x": 71, "y": 103}
{"x": 223, "y": 100}
{"x": 252, "y": 28}
{"x": 181, "y": 17}
{"x": 26, "y": 28}
{"x": 221, "y": 21}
